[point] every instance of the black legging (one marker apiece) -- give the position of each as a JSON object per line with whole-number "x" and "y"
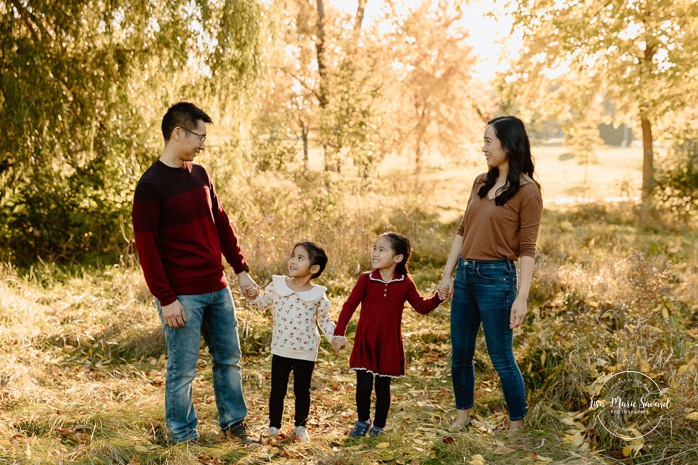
{"x": 281, "y": 368}
{"x": 364, "y": 387}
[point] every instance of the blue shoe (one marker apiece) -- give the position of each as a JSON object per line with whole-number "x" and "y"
{"x": 375, "y": 431}
{"x": 360, "y": 429}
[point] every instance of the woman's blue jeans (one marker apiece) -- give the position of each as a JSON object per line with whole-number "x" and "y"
{"x": 213, "y": 316}
{"x": 484, "y": 292}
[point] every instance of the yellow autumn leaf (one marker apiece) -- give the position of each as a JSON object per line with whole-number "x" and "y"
{"x": 627, "y": 450}
{"x": 540, "y": 458}
{"x": 692, "y": 416}
{"x": 576, "y": 440}
{"x": 579, "y": 426}
{"x": 477, "y": 459}
{"x": 683, "y": 369}
{"x": 382, "y": 445}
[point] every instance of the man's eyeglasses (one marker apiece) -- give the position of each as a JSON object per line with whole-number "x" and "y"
{"x": 201, "y": 137}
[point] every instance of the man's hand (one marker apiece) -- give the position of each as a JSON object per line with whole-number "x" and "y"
{"x": 249, "y": 288}
{"x": 251, "y": 293}
{"x": 173, "y": 314}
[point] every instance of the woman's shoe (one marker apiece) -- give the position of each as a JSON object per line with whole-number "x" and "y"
{"x": 455, "y": 427}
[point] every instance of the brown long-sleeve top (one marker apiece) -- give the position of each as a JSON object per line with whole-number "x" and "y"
{"x": 508, "y": 232}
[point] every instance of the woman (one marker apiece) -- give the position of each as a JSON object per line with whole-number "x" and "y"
{"x": 500, "y": 226}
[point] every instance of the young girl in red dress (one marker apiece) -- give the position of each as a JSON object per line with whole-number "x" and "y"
{"x": 378, "y": 353}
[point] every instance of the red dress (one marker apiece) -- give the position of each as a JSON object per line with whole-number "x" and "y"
{"x": 378, "y": 342}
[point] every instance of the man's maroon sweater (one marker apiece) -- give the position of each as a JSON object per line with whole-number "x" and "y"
{"x": 181, "y": 230}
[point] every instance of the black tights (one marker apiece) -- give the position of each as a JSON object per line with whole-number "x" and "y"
{"x": 364, "y": 388}
{"x": 281, "y": 368}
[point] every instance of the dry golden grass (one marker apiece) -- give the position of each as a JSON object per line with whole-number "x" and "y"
{"x": 82, "y": 359}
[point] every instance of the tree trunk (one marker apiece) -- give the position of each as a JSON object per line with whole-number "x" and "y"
{"x": 418, "y": 156}
{"x": 647, "y": 66}
{"x": 322, "y": 71}
{"x": 647, "y": 171}
{"x": 320, "y": 53}
{"x": 304, "y": 136}
{"x": 360, "y": 10}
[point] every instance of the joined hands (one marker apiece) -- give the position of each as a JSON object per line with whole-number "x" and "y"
{"x": 338, "y": 343}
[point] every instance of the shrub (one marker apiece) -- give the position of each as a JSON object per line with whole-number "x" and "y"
{"x": 677, "y": 174}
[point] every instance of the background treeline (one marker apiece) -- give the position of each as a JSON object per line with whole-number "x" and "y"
{"x": 300, "y": 84}
{"x": 84, "y": 86}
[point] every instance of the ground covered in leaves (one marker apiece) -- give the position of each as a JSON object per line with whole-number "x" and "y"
{"x": 82, "y": 365}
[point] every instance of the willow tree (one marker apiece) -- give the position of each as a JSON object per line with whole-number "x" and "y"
{"x": 641, "y": 54}
{"x": 83, "y": 86}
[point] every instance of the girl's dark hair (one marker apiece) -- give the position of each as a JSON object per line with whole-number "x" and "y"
{"x": 316, "y": 255}
{"x": 400, "y": 245}
{"x": 511, "y": 133}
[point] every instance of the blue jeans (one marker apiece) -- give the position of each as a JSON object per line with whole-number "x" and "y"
{"x": 213, "y": 316}
{"x": 484, "y": 292}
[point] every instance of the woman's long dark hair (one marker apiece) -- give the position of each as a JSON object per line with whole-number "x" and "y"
{"x": 511, "y": 133}
{"x": 400, "y": 245}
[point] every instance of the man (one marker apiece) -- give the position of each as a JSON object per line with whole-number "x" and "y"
{"x": 181, "y": 230}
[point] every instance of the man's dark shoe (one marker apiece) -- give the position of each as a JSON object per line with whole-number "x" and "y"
{"x": 240, "y": 432}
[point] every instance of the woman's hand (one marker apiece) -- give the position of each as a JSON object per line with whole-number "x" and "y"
{"x": 446, "y": 288}
{"x": 518, "y": 312}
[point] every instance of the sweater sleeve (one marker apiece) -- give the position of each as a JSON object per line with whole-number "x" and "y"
{"x": 229, "y": 241}
{"x": 350, "y": 306}
{"x": 419, "y": 303}
{"x": 530, "y": 215}
{"x": 322, "y": 315}
{"x": 146, "y": 219}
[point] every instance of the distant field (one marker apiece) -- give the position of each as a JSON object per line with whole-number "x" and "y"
{"x": 617, "y": 175}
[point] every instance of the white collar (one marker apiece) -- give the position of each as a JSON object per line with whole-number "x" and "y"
{"x": 380, "y": 280}
{"x": 283, "y": 289}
